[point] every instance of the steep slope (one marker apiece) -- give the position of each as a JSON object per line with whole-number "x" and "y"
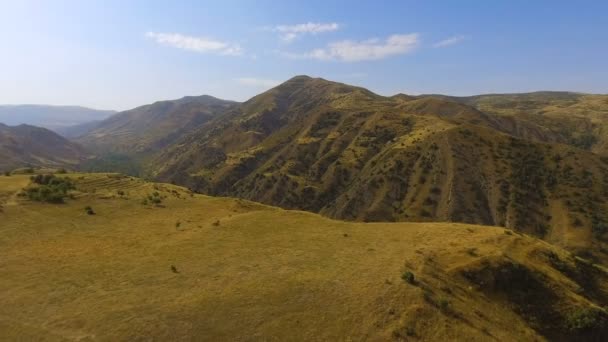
{"x": 55, "y": 118}
{"x": 151, "y": 127}
{"x": 26, "y": 145}
{"x": 229, "y": 269}
{"x": 349, "y": 154}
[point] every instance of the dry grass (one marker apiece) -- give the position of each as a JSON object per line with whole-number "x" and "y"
{"x": 243, "y": 271}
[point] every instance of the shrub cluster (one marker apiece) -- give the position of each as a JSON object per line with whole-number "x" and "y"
{"x": 49, "y": 188}
{"x": 155, "y": 198}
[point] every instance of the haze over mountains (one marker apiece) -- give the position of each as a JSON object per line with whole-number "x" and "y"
{"x": 57, "y": 118}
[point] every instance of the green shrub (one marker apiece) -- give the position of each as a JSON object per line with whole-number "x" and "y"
{"x": 444, "y": 305}
{"x": 61, "y": 171}
{"x": 155, "y": 198}
{"x": 584, "y": 319}
{"x": 408, "y": 277}
{"x": 49, "y": 188}
{"x": 7, "y": 173}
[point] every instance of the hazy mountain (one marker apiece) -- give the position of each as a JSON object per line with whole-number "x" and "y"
{"x": 26, "y": 145}
{"x": 151, "y": 127}
{"x": 56, "y": 118}
{"x": 72, "y": 132}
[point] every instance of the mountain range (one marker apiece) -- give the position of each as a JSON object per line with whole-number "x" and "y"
{"x": 57, "y": 118}
{"x": 535, "y": 162}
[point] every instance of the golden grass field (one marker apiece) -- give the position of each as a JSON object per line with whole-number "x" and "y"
{"x": 248, "y": 272}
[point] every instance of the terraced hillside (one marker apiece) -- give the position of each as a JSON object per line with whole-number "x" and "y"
{"x": 347, "y": 153}
{"x": 155, "y": 260}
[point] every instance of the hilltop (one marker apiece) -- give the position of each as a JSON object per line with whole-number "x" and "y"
{"x": 228, "y": 269}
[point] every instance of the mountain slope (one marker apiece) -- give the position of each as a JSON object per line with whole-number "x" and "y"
{"x": 151, "y": 127}
{"x": 56, "y": 118}
{"x": 350, "y": 154}
{"x": 26, "y": 145}
{"x": 580, "y": 120}
{"x": 229, "y": 269}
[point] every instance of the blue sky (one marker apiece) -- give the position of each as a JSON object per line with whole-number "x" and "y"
{"x": 121, "y": 54}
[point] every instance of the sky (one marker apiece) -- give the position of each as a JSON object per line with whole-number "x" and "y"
{"x": 122, "y": 54}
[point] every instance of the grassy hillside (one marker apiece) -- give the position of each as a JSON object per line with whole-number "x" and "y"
{"x": 580, "y": 120}
{"x": 26, "y": 145}
{"x": 347, "y": 153}
{"x": 198, "y": 267}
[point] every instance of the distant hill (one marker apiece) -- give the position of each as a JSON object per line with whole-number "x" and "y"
{"x": 26, "y": 145}
{"x": 56, "y": 118}
{"x": 73, "y": 132}
{"x": 149, "y": 128}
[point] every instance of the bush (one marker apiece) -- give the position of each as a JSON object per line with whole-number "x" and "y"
{"x": 444, "y": 305}
{"x": 89, "y": 210}
{"x": 584, "y": 319}
{"x": 155, "y": 198}
{"x": 7, "y": 173}
{"x": 61, "y": 171}
{"x": 408, "y": 277}
{"x": 49, "y": 189}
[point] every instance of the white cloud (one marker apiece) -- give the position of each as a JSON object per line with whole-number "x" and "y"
{"x": 290, "y": 32}
{"x": 198, "y": 44}
{"x": 257, "y": 82}
{"x": 450, "y": 41}
{"x": 372, "y": 49}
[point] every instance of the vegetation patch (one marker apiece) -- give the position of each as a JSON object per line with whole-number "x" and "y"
{"x": 49, "y": 188}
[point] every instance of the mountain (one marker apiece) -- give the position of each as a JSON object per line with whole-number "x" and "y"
{"x": 107, "y": 265}
{"x": 580, "y": 120}
{"x": 56, "y": 118}
{"x": 152, "y": 127}
{"x": 26, "y": 145}
{"x": 75, "y": 131}
{"x": 348, "y": 153}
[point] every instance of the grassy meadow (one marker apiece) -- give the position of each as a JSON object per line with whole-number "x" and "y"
{"x": 193, "y": 267}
